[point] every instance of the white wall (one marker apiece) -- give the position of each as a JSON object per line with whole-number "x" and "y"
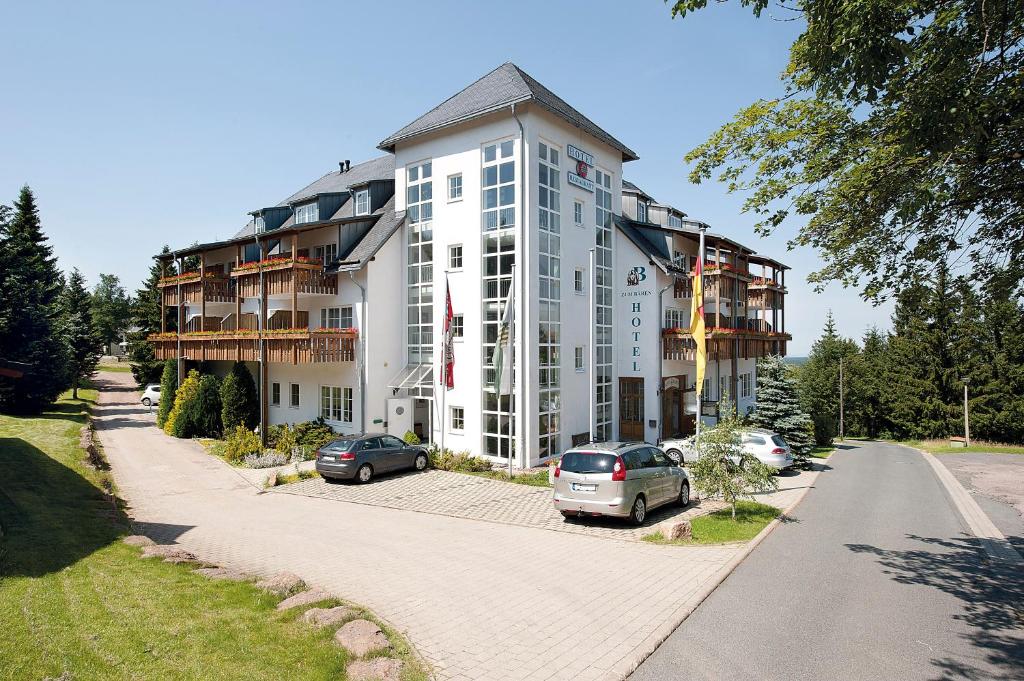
{"x": 310, "y": 377}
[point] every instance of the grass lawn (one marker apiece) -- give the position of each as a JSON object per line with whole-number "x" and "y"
{"x": 942, "y": 447}
{"x": 820, "y": 452}
{"x": 538, "y": 479}
{"x": 720, "y": 528}
{"x": 74, "y": 599}
{"x": 121, "y": 368}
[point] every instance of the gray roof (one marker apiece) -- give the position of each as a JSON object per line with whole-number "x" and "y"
{"x": 508, "y": 84}
{"x": 628, "y": 186}
{"x": 374, "y": 239}
{"x": 633, "y": 231}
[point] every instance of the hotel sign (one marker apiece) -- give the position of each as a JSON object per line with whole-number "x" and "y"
{"x": 584, "y": 162}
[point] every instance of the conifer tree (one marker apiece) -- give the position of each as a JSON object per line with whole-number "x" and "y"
{"x": 31, "y": 285}
{"x": 111, "y": 310}
{"x": 82, "y": 342}
{"x": 778, "y": 407}
{"x": 819, "y": 380}
{"x": 145, "y": 316}
{"x": 168, "y": 391}
{"x": 868, "y": 380}
{"x": 240, "y": 406}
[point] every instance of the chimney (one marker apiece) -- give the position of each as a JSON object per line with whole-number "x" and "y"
{"x": 341, "y": 166}
{"x": 348, "y": 164}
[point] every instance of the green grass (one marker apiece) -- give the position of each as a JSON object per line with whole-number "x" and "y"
{"x": 537, "y": 479}
{"x": 295, "y": 477}
{"x": 121, "y": 368}
{"x": 74, "y": 599}
{"x": 820, "y": 452}
{"x": 720, "y": 528}
{"x": 942, "y": 447}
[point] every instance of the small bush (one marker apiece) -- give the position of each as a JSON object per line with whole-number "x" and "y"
{"x": 177, "y": 423}
{"x": 240, "y": 406}
{"x": 411, "y": 438}
{"x": 264, "y": 460}
{"x": 241, "y": 442}
{"x": 460, "y": 462}
{"x": 205, "y": 413}
{"x": 824, "y": 429}
{"x": 314, "y": 434}
{"x": 168, "y": 388}
{"x": 286, "y": 440}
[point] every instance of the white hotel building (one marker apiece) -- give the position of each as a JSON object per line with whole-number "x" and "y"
{"x": 336, "y": 296}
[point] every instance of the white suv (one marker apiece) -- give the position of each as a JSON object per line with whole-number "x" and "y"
{"x": 151, "y": 395}
{"x": 769, "y": 448}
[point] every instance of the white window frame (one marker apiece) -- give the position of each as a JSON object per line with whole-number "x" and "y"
{"x": 578, "y": 211}
{"x": 326, "y": 313}
{"x": 307, "y": 212}
{"x": 332, "y": 397}
{"x": 580, "y": 359}
{"x": 458, "y": 327}
{"x": 294, "y": 395}
{"x": 579, "y": 281}
{"x": 456, "y": 415}
{"x": 500, "y": 209}
{"x": 347, "y": 405}
{"x": 275, "y": 394}
{"x": 362, "y": 202}
{"x": 641, "y": 211}
{"x": 452, "y": 267}
{"x": 452, "y": 198}
{"x": 328, "y": 253}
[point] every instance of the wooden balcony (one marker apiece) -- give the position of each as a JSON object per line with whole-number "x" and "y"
{"x": 678, "y": 345}
{"x": 282, "y": 346}
{"x": 284, "y": 275}
{"x": 214, "y": 286}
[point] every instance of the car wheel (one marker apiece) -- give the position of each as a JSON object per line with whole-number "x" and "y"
{"x": 146, "y": 401}
{"x": 638, "y": 513}
{"x": 420, "y": 462}
{"x": 675, "y": 455}
{"x": 365, "y": 473}
{"x": 684, "y": 493}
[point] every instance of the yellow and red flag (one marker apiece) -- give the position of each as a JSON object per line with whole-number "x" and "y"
{"x": 697, "y": 320}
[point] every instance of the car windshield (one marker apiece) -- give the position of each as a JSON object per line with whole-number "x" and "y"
{"x": 340, "y": 445}
{"x": 587, "y": 462}
{"x": 779, "y": 442}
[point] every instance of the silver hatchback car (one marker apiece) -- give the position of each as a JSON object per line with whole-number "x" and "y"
{"x": 620, "y": 479}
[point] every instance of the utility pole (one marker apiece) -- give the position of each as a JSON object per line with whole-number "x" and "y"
{"x": 841, "y": 399}
{"x": 967, "y": 421}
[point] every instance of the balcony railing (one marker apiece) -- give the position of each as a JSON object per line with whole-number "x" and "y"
{"x": 214, "y": 286}
{"x": 285, "y": 346}
{"x": 722, "y": 342}
{"x": 282, "y": 274}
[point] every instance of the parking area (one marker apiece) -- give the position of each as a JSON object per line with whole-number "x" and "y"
{"x": 472, "y": 497}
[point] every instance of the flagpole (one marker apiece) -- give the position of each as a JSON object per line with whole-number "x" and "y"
{"x": 700, "y": 389}
{"x": 444, "y": 363}
{"x": 511, "y": 367}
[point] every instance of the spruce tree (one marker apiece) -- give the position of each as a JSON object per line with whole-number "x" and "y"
{"x": 145, "y": 317}
{"x": 868, "y": 382}
{"x": 31, "y": 285}
{"x": 168, "y": 391}
{"x": 82, "y": 342}
{"x": 778, "y": 407}
{"x": 111, "y": 310}
{"x": 240, "y": 406}
{"x": 819, "y": 380}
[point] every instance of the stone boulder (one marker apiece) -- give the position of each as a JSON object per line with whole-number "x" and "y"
{"x": 138, "y": 540}
{"x": 327, "y": 617}
{"x": 282, "y": 584}
{"x": 170, "y": 553}
{"x": 377, "y": 669}
{"x": 674, "y": 530}
{"x": 309, "y": 597}
{"x": 223, "y": 573}
{"x": 360, "y": 637}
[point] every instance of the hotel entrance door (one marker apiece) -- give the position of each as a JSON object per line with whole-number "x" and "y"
{"x": 674, "y": 419}
{"x": 631, "y": 409}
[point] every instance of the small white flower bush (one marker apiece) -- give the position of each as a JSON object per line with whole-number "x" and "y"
{"x": 267, "y": 459}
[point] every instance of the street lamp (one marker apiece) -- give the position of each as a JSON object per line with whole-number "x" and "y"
{"x": 967, "y": 420}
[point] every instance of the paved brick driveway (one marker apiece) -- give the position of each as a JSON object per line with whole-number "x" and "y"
{"x": 479, "y": 600}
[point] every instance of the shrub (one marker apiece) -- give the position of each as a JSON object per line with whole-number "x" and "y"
{"x": 264, "y": 460}
{"x": 240, "y": 443}
{"x": 411, "y": 438}
{"x": 286, "y": 440}
{"x": 205, "y": 413}
{"x": 240, "y": 406}
{"x": 314, "y": 434}
{"x": 460, "y": 462}
{"x": 168, "y": 388}
{"x": 184, "y": 398}
{"x": 824, "y": 429}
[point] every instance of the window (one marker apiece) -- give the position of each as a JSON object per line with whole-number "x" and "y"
{"x": 457, "y": 326}
{"x": 579, "y": 358}
{"x": 420, "y": 269}
{"x": 675, "y": 221}
{"x": 275, "y": 394}
{"x": 346, "y": 405}
{"x": 307, "y": 212}
{"x": 745, "y": 385}
{"x": 363, "y": 202}
{"x": 549, "y": 280}
{"x": 390, "y": 441}
{"x": 578, "y": 279}
{"x": 723, "y": 388}
{"x": 455, "y": 187}
{"x": 455, "y": 257}
{"x": 641, "y": 211}
{"x": 498, "y": 184}
{"x": 679, "y": 258}
{"x": 602, "y": 303}
{"x": 336, "y": 317}
{"x": 328, "y": 253}
{"x": 293, "y": 397}
{"x": 458, "y": 419}
{"x": 335, "y": 403}
{"x": 577, "y": 213}
{"x": 260, "y": 224}
{"x": 707, "y": 395}
{"x": 676, "y": 318}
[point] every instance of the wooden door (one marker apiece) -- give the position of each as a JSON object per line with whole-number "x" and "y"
{"x": 631, "y": 409}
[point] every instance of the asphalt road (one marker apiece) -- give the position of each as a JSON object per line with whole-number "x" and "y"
{"x": 874, "y": 577}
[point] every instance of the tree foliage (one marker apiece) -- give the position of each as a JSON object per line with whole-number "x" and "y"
{"x": 82, "y": 343}
{"x": 778, "y": 407}
{"x": 819, "y": 381}
{"x": 168, "y": 391}
{"x": 239, "y": 402}
{"x": 145, "y": 317}
{"x": 896, "y": 144}
{"x": 30, "y": 284}
{"x": 180, "y": 422}
{"x": 111, "y": 309}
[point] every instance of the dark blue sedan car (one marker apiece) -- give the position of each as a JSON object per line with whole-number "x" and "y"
{"x": 361, "y": 457}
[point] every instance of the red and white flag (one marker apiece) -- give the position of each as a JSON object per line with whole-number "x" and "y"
{"x": 448, "y": 371}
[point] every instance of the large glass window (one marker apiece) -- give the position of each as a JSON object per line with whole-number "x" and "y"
{"x": 336, "y": 317}
{"x": 603, "y": 305}
{"x": 307, "y": 212}
{"x": 328, "y": 253}
{"x": 498, "y": 181}
{"x": 420, "y": 269}
{"x": 549, "y": 250}
{"x": 330, "y": 402}
{"x": 363, "y": 202}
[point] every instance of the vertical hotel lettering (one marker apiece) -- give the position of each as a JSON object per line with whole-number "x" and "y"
{"x": 635, "y": 278}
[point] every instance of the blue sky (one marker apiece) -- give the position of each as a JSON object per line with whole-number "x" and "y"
{"x": 139, "y": 124}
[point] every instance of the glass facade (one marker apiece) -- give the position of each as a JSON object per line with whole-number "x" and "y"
{"x": 603, "y": 305}
{"x": 420, "y": 270}
{"x": 549, "y": 252}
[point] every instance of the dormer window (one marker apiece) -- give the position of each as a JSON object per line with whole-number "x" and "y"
{"x": 307, "y": 212}
{"x": 261, "y": 225}
{"x": 675, "y": 221}
{"x": 363, "y": 202}
{"x": 641, "y": 211}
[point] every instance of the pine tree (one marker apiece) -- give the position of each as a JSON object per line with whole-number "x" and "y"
{"x": 868, "y": 380}
{"x": 111, "y": 310}
{"x": 31, "y": 284}
{"x": 145, "y": 317}
{"x": 81, "y": 341}
{"x": 240, "y": 406}
{"x": 819, "y": 381}
{"x": 168, "y": 391}
{"x": 778, "y": 407}
{"x": 995, "y": 370}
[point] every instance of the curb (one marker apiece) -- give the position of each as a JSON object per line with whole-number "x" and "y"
{"x": 992, "y": 540}
{"x": 702, "y": 594}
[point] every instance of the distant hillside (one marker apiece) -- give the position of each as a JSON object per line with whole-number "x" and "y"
{"x": 798, "y": 361}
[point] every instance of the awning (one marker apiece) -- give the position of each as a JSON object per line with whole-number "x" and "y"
{"x": 412, "y": 376}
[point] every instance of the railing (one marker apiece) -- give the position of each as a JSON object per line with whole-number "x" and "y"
{"x": 281, "y": 273}
{"x": 216, "y": 288}
{"x": 286, "y": 346}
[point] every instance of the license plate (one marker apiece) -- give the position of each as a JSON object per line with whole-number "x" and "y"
{"x": 327, "y": 458}
{"x": 580, "y": 487}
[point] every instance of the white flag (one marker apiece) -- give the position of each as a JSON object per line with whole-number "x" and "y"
{"x": 502, "y": 349}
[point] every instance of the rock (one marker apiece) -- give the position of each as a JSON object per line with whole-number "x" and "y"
{"x": 223, "y": 573}
{"x": 282, "y": 584}
{"x": 170, "y": 553}
{"x": 271, "y": 479}
{"x": 304, "y": 598}
{"x": 138, "y": 540}
{"x": 327, "y": 617}
{"x": 377, "y": 669}
{"x": 360, "y": 637}
{"x": 676, "y": 529}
